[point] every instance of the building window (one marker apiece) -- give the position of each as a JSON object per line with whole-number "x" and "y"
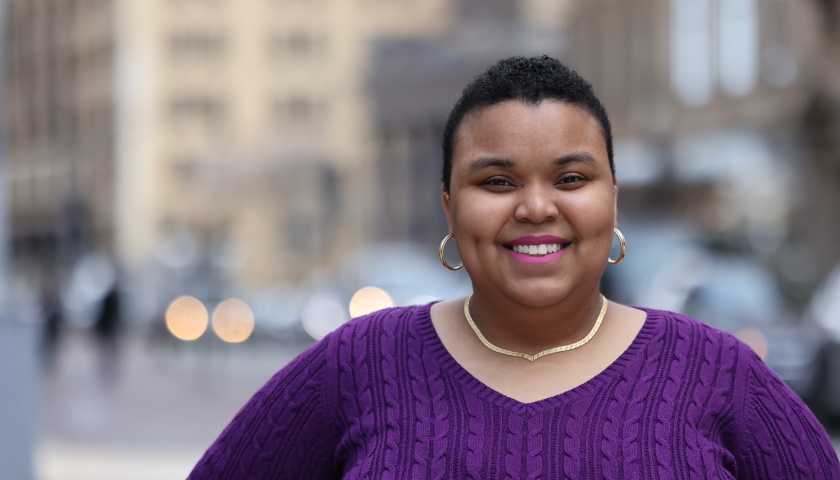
{"x": 738, "y": 46}
{"x": 691, "y": 51}
{"x": 196, "y": 45}
{"x": 299, "y": 109}
{"x": 196, "y": 3}
{"x": 714, "y": 44}
{"x": 297, "y": 46}
{"x": 185, "y": 169}
{"x": 202, "y": 111}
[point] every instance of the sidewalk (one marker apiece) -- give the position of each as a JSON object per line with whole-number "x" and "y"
{"x": 155, "y": 420}
{"x": 70, "y": 461}
{"x": 163, "y": 408}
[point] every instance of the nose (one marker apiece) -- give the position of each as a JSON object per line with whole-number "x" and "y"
{"x": 536, "y": 204}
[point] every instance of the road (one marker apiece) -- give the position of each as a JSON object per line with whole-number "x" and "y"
{"x": 156, "y": 416}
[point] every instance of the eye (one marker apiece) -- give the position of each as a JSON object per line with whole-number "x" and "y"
{"x": 571, "y": 179}
{"x": 498, "y": 182}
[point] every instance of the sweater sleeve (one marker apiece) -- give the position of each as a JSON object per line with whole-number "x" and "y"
{"x": 782, "y": 439}
{"x": 283, "y": 432}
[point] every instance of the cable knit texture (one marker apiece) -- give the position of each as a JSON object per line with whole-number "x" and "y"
{"x": 381, "y": 398}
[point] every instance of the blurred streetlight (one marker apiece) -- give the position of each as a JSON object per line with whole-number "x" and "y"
{"x": 186, "y": 318}
{"x": 368, "y": 300}
{"x": 233, "y": 320}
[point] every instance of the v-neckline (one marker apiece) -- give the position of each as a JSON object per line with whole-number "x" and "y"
{"x": 478, "y": 388}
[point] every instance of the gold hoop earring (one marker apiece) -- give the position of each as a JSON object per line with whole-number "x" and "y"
{"x": 442, "y": 258}
{"x": 623, "y": 246}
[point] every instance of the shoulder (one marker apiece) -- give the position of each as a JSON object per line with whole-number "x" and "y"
{"x": 763, "y": 422}
{"x": 785, "y": 440}
{"x": 389, "y": 316}
{"x": 389, "y": 321}
{"x": 702, "y": 358}
{"x": 384, "y": 332}
{"x": 683, "y": 323}
{"x": 680, "y": 331}
{"x": 352, "y": 342}
{"x": 732, "y": 361}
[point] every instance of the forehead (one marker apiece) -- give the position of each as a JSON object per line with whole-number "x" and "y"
{"x": 513, "y": 128}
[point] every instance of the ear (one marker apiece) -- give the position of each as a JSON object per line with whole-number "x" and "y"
{"x": 615, "y": 203}
{"x": 444, "y": 196}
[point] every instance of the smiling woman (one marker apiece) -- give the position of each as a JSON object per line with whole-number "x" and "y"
{"x": 535, "y": 374}
{"x": 533, "y": 176}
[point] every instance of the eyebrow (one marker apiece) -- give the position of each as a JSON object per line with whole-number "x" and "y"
{"x": 488, "y": 162}
{"x": 580, "y": 157}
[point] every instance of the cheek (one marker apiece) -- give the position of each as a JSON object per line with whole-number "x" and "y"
{"x": 482, "y": 218}
{"x": 596, "y": 214}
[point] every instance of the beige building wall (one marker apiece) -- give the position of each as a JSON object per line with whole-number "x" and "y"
{"x": 246, "y": 123}
{"x": 236, "y": 117}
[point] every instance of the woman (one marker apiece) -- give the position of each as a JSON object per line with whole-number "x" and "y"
{"x": 535, "y": 375}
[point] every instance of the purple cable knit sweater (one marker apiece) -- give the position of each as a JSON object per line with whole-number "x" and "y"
{"x": 381, "y": 398}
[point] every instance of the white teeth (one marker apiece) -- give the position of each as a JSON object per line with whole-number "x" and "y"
{"x": 543, "y": 249}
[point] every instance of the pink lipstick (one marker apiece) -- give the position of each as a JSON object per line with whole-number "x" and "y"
{"x": 537, "y": 250}
{"x": 532, "y": 240}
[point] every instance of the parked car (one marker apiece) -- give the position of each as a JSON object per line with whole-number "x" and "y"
{"x": 824, "y": 310}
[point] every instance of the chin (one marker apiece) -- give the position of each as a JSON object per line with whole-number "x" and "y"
{"x": 537, "y": 297}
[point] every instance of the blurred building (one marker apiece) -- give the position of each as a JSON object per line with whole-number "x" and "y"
{"x": 256, "y": 142}
{"x": 220, "y": 136}
{"x": 58, "y": 114}
{"x": 245, "y": 125}
{"x": 724, "y": 112}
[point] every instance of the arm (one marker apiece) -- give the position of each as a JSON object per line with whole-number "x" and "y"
{"x": 782, "y": 439}
{"x": 284, "y": 431}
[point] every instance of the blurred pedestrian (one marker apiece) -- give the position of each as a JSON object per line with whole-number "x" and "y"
{"x": 52, "y": 312}
{"x": 106, "y": 330}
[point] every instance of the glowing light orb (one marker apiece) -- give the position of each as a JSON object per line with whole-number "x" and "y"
{"x": 368, "y": 300}
{"x": 233, "y": 320}
{"x": 186, "y": 318}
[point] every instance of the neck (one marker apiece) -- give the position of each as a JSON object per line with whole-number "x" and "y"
{"x": 529, "y": 329}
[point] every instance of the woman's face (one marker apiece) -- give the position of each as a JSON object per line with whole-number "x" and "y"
{"x": 532, "y": 201}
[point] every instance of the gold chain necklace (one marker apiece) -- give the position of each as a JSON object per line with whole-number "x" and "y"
{"x": 511, "y": 353}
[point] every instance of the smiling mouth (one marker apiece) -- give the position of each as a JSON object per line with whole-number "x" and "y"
{"x": 537, "y": 250}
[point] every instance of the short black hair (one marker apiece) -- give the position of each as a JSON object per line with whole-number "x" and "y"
{"x": 530, "y": 80}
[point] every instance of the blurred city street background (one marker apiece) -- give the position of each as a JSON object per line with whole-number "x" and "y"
{"x": 194, "y": 191}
